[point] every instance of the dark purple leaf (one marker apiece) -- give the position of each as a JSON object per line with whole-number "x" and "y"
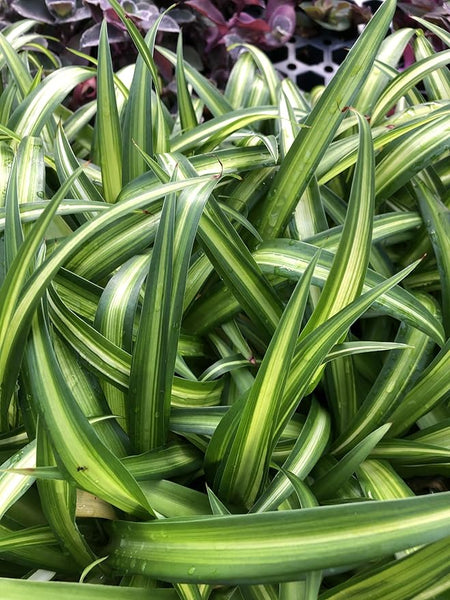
{"x": 275, "y": 5}
{"x": 32, "y": 10}
{"x": 146, "y": 7}
{"x": 433, "y": 10}
{"x": 61, "y": 9}
{"x": 282, "y": 21}
{"x": 245, "y": 21}
{"x": 213, "y": 37}
{"x": 103, "y": 4}
{"x": 207, "y": 8}
{"x": 91, "y": 36}
{"x": 242, "y": 4}
{"x": 167, "y": 23}
{"x": 52, "y": 11}
{"x": 182, "y": 16}
{"x": 129, "y": 6}
{"x": 408, "y": 57}
{"x": 84, "y": 92}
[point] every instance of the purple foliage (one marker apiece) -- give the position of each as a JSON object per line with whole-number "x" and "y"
{"x": 272, "y": 28}
{"x": 52, "y": 11}
{"x": 337, "y": 15}
{"x": 144, "y": 14}
{"x": 281, "y": 17}
{"x": 437, "y": 11}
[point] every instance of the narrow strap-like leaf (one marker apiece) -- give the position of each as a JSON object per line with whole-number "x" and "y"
{"x": 437, "y": 220}
{"x": 58, "y": 498}
{"x": 321, "y": 125}
{"x": 394, "y": 581}
{"x": 277, "y": 544}
{"x": 84, "y": 457}
{"x": 233, "y": 260}
{"x": 307, "y": 450}
{"x": 399, "y": 371}
{"x": 245, "y": 450}
{"x": 432, "y": 386}
{"x": 108, "y": 134}
{"x": 34, "y": 112}
{"x": 10, "y": 292}
{"x": 15, "y": 589}
{"x": 407, "y": 79}
{"x": 332, "y": 480}
{"x": 185, "y": 107}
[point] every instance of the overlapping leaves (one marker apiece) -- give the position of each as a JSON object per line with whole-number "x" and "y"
{"x": 193, "y": 327}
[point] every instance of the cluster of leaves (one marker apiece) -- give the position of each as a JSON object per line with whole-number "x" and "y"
{"x": 223, "y": 355}
{"x": 208, "y": 27}
{"x": 269, "y": 25}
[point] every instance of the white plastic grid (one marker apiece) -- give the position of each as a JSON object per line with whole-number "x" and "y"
{"x": 313, "y": 61}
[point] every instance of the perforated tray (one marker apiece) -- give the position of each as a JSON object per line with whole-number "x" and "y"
{"x": 313, "y": 61}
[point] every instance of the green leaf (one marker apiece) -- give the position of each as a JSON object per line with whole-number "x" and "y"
{"x": 36, "y": 110}
{"x": 58, "y": 499}
{"x": 16, "y": 589}
{"x": 423, "y": 146}
{"x": 321, "y": 125}
{"x": 307, "y": 588}
{"x": 387, "y": 393}
{"x": 410, "y": 76}
{"x": 151, "y": 371}
{"x": 380, "y": 482}
{"x": 390, "y": 53}
{"x": 13, "y": 485}
{"x": 85, "y": 458}
{"x": 239, "y": 455}
{"x": 327, "y": 484}
{"x": 108, "y": 132}
{"x": 188, "y": 117}
{"x": 115, "y": 318}
{"x": 137, "y": 122}
{"x": 432, "y": 386}
{"x": 312, "y": 349}
{"x": 239, "y": 79}
{"x": 154, "y": 354}
{"x": 410, "y": 452}
{"x": 266, "y": 69}
{"x": 346, "y": 277}
{"x": 307, "y": 450}
{"x": 11, "y": 290}
{"x": 213, "y": 99}
{"x": 33, "y": 536}
{"x": 437, "y": 83}
{"x": 67, "y": 163}
{"x": 39, "y": 281}
{"x": 441, "y": 33}
{"x": 348, "y": 271}
{"x": 175, "y": 459}
{"x": 15, "y": 65}
{"x": 278, "y": 545}
{"x": 233, "y": 261}
{"x": 429, "y": 566}
{"x": 437, "y": 220}
{"x": 289, "y": 259}
{"x": 211, "y": 133}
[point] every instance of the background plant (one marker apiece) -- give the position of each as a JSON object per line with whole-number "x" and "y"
{"x": 224, "y": 330}
{"x": 209, "y": 27}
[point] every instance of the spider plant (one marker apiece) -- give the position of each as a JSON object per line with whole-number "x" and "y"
{"x": 224, "y": 351}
